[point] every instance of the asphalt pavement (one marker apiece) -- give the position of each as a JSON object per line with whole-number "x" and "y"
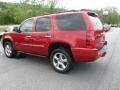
{"x": 35, "y": 73}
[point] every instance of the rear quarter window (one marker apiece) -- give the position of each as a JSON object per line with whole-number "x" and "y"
{"x": 71, "y": 22}
{"x": 97, "y": 24}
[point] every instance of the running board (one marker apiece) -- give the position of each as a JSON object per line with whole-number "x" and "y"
{"x": 31, "y": 54}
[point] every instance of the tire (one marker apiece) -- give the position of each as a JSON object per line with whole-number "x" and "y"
{"x": 61, "y": 60}
{"x": 9, "y": 50}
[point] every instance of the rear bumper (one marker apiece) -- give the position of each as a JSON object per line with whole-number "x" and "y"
{"x": 87, "y": 55}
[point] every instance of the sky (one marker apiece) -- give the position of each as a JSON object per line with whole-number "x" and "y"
{"x": 83, "y": 4}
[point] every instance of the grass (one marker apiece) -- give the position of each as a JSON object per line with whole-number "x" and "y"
{"x": 3, "y": 27}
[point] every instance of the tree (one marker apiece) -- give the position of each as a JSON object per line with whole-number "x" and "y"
{"x": 6, "y": 16}
{"x": 112, "y": 18}
{"x": 15, "y": 14}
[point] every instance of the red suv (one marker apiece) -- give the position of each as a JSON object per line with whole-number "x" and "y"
{"x": 64, "y": 37}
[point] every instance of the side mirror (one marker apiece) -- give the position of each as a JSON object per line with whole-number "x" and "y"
{"x": 103, "y": 28}
{"x": 16, "y": 29}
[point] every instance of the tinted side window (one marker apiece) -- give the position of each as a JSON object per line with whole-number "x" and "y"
{"x": 43, "y": 24}
{"x": 26, "y": 26}
{"x": 71, "y": 22}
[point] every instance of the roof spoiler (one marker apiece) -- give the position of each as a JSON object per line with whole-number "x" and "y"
{"x": 93, "y": 14}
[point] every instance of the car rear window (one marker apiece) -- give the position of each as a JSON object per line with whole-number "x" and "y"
{"x": 70, "y": 22}
{"x": 97, "y": 24}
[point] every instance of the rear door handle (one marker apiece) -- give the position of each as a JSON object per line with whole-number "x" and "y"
{"x": 48, "y": 36}
{"x": 28, "y": 36}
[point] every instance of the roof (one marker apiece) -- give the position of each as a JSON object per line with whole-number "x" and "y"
{"x": 63, "y": 13}
{"x": 68, "y": 12}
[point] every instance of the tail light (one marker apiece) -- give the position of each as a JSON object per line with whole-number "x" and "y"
{"x": 90, "y": 39}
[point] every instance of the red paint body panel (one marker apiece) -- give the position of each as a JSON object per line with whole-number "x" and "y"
{"x": 87, "y": 55}
{"x": 39, "y": 42}
{"x": 84, "y": 54}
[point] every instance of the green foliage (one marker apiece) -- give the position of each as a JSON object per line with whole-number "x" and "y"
{"x": 14, "y": 14}
{"x": 112, "y": 18}
{"x": 6, "y": 16}
{"x": 5, "y": 5}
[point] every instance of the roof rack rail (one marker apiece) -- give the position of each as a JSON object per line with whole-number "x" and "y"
{"x": 72, "y": 10}
{"x": 69, "y": 11}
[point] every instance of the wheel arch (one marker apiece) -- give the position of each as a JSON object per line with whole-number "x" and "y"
{"x": 6, "y": 40}
{"x": 57, "y": 45}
